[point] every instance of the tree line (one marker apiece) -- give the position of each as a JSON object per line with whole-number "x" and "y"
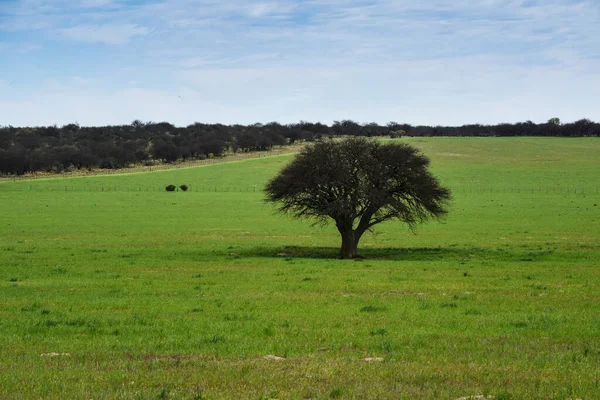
{"x": 70, "y": 147}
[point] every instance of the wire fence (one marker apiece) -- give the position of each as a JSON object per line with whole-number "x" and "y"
{"x": 51, "y": 187}
{"x": 530, "y": 190}
{"x": 139, "y": 189}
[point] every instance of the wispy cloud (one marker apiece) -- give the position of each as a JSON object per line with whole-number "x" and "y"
{"x": 109, "y": 34}
{"x": 96, "y": 3}
{"x": 19, "y": 48}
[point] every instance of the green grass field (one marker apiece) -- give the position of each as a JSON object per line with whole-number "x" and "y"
{"x": 182, "y": 295}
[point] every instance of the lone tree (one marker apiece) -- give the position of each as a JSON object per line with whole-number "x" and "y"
{"x": 358, "y": 183}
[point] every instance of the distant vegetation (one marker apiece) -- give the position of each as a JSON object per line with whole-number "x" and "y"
{"x": 72, "y": 147}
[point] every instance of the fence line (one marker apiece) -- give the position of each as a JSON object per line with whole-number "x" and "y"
{"x": 255, "y": 188}
{"x": 531, "y": 190}
{"x": 133, "y": 189}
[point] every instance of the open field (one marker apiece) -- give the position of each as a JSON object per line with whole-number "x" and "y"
{"x": 181, "y": 295}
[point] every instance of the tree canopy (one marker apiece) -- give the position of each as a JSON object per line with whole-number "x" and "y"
{"x": 55, "y": 149}
{"x": 358, "y": 183}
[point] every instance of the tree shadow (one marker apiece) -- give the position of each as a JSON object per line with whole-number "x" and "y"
{"x": 390, "y": 253}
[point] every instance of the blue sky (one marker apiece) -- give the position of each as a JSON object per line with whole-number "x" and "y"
{"x": 446, "y": 62}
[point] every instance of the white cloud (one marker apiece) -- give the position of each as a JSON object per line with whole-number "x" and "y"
{"x": 262, "y": 9}
{"x": 79, "y": 81}
{"x": 109, "y": 34}
{"x": 19, "y": 48}
{"x": 215, "y": 61}
{"x": 96, "y": 3}
{"x": 437, "y": 61}
{"x": 453, "y": 91}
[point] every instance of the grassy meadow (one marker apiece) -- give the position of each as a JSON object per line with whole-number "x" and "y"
{"x": 147, "y": 294}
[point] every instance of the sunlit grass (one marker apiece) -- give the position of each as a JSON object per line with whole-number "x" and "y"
{"x": 181, "y": 295}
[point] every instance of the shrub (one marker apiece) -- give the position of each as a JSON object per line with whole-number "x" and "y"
{"x": 183, "y": 187}
{"x": 397, "y": 134}
{"x": 171, "y": 188}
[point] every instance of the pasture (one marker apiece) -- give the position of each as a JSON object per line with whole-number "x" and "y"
{"x": 148, "y": 294}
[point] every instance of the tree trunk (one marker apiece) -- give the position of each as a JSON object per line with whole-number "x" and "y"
{"x": 350, "y": 240}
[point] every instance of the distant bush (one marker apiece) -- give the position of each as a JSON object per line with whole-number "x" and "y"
{"x": 397, "y": 134}
{"x": 171, "y": 188}
{"x": 184, "y": 187}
